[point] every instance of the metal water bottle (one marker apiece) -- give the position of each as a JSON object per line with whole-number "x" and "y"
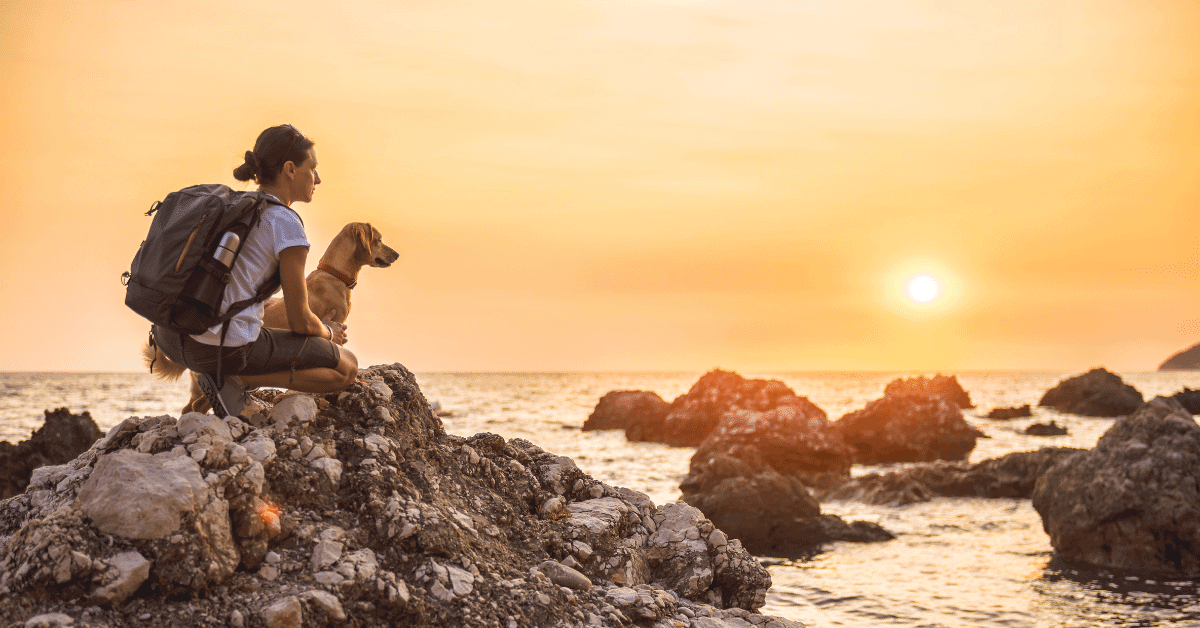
{"x": 208, "y": 284}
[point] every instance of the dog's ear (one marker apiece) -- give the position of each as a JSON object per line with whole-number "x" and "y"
{"x": 364, "y": 236}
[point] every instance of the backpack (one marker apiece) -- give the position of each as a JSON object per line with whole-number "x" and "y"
{"x": 176, "y": 280}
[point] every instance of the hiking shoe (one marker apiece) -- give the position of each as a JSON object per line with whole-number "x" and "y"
{"x": 233, "y": 395}
{"x": 208, "y": 385}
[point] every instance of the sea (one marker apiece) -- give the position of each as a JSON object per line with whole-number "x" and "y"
{"x": 956, "y": 562}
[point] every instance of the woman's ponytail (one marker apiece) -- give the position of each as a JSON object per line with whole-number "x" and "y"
{"x": 248, "y": 170}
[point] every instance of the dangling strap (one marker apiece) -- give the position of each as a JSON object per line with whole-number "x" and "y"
{"x": 153, "y": 349}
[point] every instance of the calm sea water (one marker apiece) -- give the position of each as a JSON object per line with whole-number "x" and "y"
{"x": 956, "y": 562}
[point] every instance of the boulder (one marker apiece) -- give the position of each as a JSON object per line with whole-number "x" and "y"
{"x": 1010, "y": 476}
{"x": 946, "y": 386}
{"x": 772, "y": 514}
{"x": 908, "y": 428}
{"x": 1133, "y": 501}
{"x": 60, "y": 438}
{"x": 694, "y": 415}
{"x": 794, "y": 440}
{"x": 1005, "y": 414}
{"x": 1094, "y": 393}
{"x": 621, "y": 409}
{"x": 1189, "y": 399}
{"x": 1046, "y": 429}
{"x": 1186, "y": 360}
{"x": 416, "y": 527}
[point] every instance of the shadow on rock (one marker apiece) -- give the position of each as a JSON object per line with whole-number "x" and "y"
{"x": 1094, "y": 393}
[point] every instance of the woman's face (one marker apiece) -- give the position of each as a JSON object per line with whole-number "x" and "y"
{"x": 305, "y": 180}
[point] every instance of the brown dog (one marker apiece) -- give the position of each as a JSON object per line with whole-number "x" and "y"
{"x": 358, "y": 244}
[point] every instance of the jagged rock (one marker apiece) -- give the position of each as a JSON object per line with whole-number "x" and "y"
{"x": 621, "y": 409}
{"x": 794, "y": 439}
{"x": 1004, "y": 414}
{"x": 1010, "y": 476}
{"x": 1133, "y": 501}
{"x": 50, "y": 620}
{"x": 770, "y": 513}
{"x": 945, "y": 386}
{"x": 1189, "y": 399}
{"x": 1186, "y": 360}
{"x": 564, "y": 576}
{"x": 1046, "y": 429}
{"x": 1094, "y": 393}
{"x": 694, "y": 415}
{"x": 434, "y": 529}
{"x": 908, "y": 428}
{"x": 61, "y": 438}
{"x": 131, "y": 569}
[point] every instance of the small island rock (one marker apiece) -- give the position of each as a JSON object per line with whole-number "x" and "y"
{"x": 1133, "y": 501}
{"x": 621, "y": 409}
{"x": 908, "y": 428}
{"x": 1094, "y": 393}
{"x": 946, "y": 386}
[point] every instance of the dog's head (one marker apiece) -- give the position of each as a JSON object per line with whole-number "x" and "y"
{"x": 371, "y": 249}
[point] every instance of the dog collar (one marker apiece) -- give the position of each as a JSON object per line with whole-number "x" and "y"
{"x": 346, "y": 279}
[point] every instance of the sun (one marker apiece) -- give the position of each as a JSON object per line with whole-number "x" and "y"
{"x": 923, "y": 288}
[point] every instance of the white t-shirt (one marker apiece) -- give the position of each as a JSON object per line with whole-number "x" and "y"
{"x": 279, "y": 229}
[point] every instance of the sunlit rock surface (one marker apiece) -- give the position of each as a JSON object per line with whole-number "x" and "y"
{"x": 908, "y": 428}
{"x": 1133, "y": 501}
{"x": 355, "y": 509}
{"x": 945, "y": 386}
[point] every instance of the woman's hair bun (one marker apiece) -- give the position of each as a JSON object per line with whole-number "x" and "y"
{"x": 249, "y": 170}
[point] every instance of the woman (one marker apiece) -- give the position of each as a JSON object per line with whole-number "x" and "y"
{"x": 307, "y": 357}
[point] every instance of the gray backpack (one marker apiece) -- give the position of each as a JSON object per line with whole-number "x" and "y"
{"x": 178, "y": 277}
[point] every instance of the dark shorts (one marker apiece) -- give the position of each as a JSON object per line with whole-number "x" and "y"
{"x": 275, "y": 351}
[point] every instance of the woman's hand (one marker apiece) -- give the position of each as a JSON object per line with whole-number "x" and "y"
{"x": 337, "y": 333}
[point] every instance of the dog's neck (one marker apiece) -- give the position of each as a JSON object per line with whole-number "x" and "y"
{"x": 347, "y": 279}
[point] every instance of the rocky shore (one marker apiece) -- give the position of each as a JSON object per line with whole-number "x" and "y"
{"x": 60, "y": 438}
{"x": 355, "y": 509}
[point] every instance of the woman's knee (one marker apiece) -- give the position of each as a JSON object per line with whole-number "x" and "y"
{"x": 347, "y": 368}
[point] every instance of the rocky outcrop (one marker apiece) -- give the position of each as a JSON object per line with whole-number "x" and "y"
{"x": 1046, "y": 429}
{"x": 1094, "y": 393}
{"x": 771, "y": 513}
{"x": 796, "y": 440}
{"x": 62, "y": 437}
{"x": 1189, "y": 399}
{"x": 620, "y": 409}
{"x": 1186, "y": 360}
{"x": 1134, "y": 500}
{"x": 908, "y": 428}
{"x": 1010, "y": 476}
{"x": 355, "y": 509}
{"x": 694, "y": 415}
{"x": 1005, "y": 414}
{"x": 945, "y": 386}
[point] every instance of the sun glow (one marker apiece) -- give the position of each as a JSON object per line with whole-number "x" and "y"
{"x": 923, "y": 289}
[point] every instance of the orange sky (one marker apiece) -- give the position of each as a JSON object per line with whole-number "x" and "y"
{"x": 649, "y": 185}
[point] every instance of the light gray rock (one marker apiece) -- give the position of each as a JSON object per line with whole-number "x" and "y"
{"x": 141, "y": 496}
{"x": 565, "y": 576}
{"x": 326, "y": 554}
{"x": 204, "y": 425}
{"x": 293, "y": 410}
{"x": 285, "y": 613}
{"x": 332, "y": 467}
{"x": 132, "y": 570}
{"x": 326, "y": 602}
{"x": 598, "y": 516}
{"x": 49, "y": 620}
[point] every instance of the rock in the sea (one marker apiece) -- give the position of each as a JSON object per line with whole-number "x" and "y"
{"x": 1186, "y": 360}
{"x": 60, "y": 438}
{"x": 908, "y": 428}
{"x": 1010, "y": 476}
{"x": 694, "y": 415}
{"x": 1189, "y": 399}
{"x": 1094, "y": 393}
{"x": 771, "y": 513}
{"x": 620, "y": 409}
{"x": 244, "y": 521}
{"x": 1046, "y": 429}
{"x": 794, "y": 440}
{"x": 1016, "y": 412}
{"x": 1133, "y": 501}
{"x": 945, "y": 386}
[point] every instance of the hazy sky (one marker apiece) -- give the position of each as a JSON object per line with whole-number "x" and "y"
{"x": 649, "y": 185}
